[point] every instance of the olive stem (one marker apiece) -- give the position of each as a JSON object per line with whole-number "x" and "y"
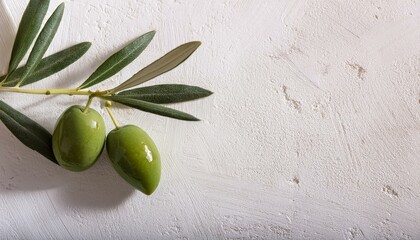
{"x": 88, "y": 103}
{"x": 45, "y": 91}
{"x": 107, "y": 105}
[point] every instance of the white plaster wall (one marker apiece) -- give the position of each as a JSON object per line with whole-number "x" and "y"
{"x": 313, "y": 131}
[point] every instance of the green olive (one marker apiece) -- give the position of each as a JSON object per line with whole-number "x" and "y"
{"x": 135, "y": 157}
{"x": 78, "y": 138}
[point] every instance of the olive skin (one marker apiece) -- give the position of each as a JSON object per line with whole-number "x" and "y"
{"x": 78, "y": 138}
{"x": 135, "y": 157}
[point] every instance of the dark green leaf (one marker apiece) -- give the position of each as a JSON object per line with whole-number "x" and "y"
{"x": 119, "y": 60}
{"x": 164, "y": 64}
{"x": 49, "y": 65}
{"x": 27, "y": 131}
{"x": 28, "y": 29}
{"x": 153, "y": 108}
{"x": 166, "y": 93}
{"x": 43, "y": 42}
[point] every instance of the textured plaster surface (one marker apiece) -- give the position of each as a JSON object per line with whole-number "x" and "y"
{"x": 313, "y": 131}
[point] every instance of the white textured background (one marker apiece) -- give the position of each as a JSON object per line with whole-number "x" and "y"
{"x": 313, "y": 131}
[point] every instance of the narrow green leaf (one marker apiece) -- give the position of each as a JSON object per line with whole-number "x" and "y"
{"x": 43, "y": 42}
{"x": 153, "y": 108}
{"x": 27, "y": 131}
{"x": 164, "y": 64}
{"x": 28, "y": 29}
{"x": 49, "y": 65}
{"x": 166, "y": 93}
{"x": 119, "y": 60}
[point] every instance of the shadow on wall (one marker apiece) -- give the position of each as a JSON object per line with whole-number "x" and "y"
{"x": 23, "y": 170}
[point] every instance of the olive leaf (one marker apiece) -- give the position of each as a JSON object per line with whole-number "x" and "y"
{"x": 152, "y": 108}
{"x": 28, "y": 29}
{"x": 166, "y": 93}
{"x": 119, "y": 60}
{"x": 49, "y": 65}
{"x": 27, "y": 131}
{"x": 160, "y": 66}
{"x": 43, "y": 42}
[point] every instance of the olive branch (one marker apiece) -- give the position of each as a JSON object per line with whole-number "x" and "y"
{"x": 38, "y": 67}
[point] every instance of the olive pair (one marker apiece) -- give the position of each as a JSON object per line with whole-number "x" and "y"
{"x": 79, "y": 138}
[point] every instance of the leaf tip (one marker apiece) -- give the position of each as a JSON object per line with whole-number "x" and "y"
{"x": 61, "y": 7}
{"x": 208, "y": 92}
{"x": 151, "y": 34}
{"x": 87, "y": 44}
{"x": 193, "y": 119}
{"x": 196, "y": 43}
{"x": 205, "y": 92}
